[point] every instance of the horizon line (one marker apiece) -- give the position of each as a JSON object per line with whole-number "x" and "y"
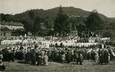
{"x": 54, "y": 8}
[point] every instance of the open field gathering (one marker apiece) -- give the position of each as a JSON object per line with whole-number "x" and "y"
{"x": 57, "y": 36}
{"x": 55, "y": 54}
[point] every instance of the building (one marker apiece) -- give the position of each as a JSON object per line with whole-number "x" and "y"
{"x": 7, "y": 28}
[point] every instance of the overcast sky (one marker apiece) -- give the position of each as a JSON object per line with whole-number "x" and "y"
{"x": 107, "y": 7}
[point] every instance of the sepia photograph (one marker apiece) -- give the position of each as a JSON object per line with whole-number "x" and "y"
{"x": 57, "y": 35}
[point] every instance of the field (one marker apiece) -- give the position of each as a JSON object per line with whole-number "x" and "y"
{"x": 88, "y": 66}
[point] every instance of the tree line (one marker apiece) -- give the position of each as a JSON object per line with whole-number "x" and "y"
{"x": 61, "y": 25}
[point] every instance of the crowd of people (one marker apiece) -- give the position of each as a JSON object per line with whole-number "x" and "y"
{"x": 41, "y": 56}
{"x": 30, "y": 51}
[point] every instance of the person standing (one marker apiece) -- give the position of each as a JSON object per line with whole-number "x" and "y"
{"x": 45, "y": 58}
{"x": 2, "y": 66}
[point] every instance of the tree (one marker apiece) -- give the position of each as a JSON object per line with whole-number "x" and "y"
{"x": 6, "y": 17}
{"x": 34, "y": 23}
{"x": 94, "y": 22}
{"x": 61, "y": 23}
{"x": 37, "y": 25}
{"x": 28, "y": 21}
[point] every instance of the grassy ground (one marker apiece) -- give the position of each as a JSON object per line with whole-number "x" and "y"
{"x": 58, "y": 67}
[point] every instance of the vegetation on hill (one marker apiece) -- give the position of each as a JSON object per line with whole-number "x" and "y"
{"x": 48, "y": 22}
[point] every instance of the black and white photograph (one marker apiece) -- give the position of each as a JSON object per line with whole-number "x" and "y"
{"x": 57, "y": 35}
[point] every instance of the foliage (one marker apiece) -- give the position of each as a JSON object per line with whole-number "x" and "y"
{"x": 46, "y": 22}
{"x": 94, "y": 22}
{"x": 61, "y": 25}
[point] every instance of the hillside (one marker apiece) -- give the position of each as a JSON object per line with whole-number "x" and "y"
{"x": 70, "y": 11}
{"x": 50, "y": 15}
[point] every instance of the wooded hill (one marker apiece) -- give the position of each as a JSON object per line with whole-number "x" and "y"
{"x": 44, "y": 20}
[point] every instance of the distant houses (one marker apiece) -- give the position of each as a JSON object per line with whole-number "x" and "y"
{"x": 7, "y": 28}
{"x": 11, "y": 25}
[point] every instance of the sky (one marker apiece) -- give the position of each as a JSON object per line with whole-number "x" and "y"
{"x": 106, "y": 7}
